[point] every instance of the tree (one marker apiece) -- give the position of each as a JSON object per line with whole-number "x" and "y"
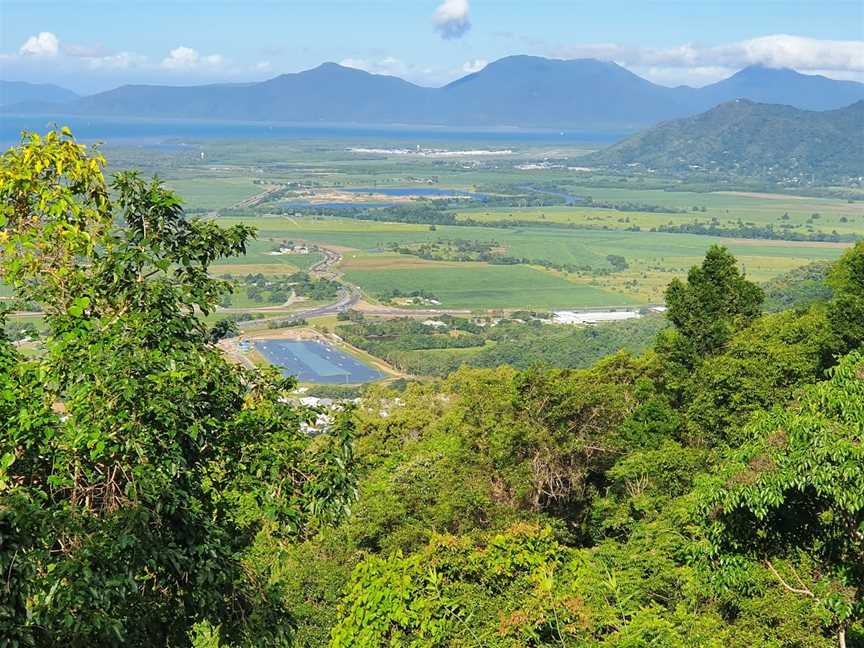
{"x": 791, "y": 500}
{"x": 714, "y": 303}
{"x": 761, "y": 367}
{"x": 846, "y": 310}
{"x": 136, "y": 464}
{"x": 224, "y": 328}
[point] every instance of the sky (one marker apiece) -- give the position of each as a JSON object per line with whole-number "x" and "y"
{"x": 94, "y": 45}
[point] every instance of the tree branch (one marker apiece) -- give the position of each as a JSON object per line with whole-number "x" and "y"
{"x": 794, "y": 590}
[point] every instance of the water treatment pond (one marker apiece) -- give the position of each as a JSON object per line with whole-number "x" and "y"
{"x": 316, "y": 362}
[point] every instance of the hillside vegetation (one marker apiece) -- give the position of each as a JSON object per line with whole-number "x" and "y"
{"x": 706, "y": 493}
{"x": 745, "y": 138}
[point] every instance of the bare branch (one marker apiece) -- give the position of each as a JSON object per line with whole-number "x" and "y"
{"x": 794, "y": 590}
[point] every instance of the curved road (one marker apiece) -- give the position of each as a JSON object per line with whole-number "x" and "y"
{"x": 349, "y": 295}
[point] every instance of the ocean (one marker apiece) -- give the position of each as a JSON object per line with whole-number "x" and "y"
{"x": 162, "y": 131}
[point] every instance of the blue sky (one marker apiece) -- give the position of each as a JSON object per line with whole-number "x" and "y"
{"x": 90, "y": 45}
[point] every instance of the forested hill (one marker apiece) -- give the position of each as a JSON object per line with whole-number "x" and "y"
{"x": 746, "y": 138}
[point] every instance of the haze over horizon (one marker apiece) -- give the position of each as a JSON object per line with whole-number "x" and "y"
{"x": 427, "y": 43}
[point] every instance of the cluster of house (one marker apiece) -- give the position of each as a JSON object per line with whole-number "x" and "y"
{"x": 326, "y": 411}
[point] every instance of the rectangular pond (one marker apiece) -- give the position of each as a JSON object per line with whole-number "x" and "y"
{"x": 316, "y": 362}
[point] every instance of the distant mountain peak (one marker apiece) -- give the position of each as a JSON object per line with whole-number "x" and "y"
{"x": 761, "y": 71}
{"x": 329, "y": 67}
{"x": 12, "y": 92}
{"x": 516, "y": 91}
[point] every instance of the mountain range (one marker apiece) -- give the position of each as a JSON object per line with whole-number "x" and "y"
{"x": 745, "y": 138}
{"x": 17, "y": 92}
{"x": 516, "y": 91}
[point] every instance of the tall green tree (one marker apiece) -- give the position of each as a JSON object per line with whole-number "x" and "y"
{"x": 136, "y": 464}
{"x": 846, "y": 309}
{"x": 706, "y": 311}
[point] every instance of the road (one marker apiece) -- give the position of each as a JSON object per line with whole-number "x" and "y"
{"x": 259, "y": 197}
{"x": 349, "y": 295}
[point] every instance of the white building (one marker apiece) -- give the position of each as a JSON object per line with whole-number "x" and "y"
{"x": 593, "y": 317}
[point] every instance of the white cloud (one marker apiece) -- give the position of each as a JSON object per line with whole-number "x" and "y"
{"x": 469, "y": 67}
{"x": 783, "y": 50}
{"x": 186, "y": 58}
{"x": 45, "y": 44}
{"x": 84, "y": 51}
{"x": 387, "y": 65}
{"x": 451, "y": 19}
{"x": 119, "y": 61}
{"x": 674, "y": 76}
{"x": 701, "y": 63}
{"x": 424, "y": 75}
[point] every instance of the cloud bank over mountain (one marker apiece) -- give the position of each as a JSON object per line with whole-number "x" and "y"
{"x": 839, "y": 59}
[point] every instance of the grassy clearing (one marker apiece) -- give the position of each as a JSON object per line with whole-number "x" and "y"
{"x": 257, "y": 253}
{"x": 303, "y": 261}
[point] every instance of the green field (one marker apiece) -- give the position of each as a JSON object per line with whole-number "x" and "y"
{"x": 553, "y": 244}
{"x": 654, "y": 258}
{"x": 214, "y": 191}
{"x": 220, "y": 175}
{"x": 795, "y": 214}
{"x": 303, "y": 261}
{"x": 258, "y": 252}
{"x": 483, "y": 286}
{"x": 850, "y": 221}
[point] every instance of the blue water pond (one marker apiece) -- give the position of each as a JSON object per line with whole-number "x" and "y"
{"x": 316, "y": 362}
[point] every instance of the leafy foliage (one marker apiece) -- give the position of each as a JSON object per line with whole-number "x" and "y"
{"x": 644, "y": 530}
{"x": 846, "y": 310}
{"x": 706, "y": 311}
{"x": 795, "y": 493}
{"x": 137, "y": 464}
{"x": 706, "y": 493}
{"x": 522, "y": 341}
{"x": 798, "y": 288}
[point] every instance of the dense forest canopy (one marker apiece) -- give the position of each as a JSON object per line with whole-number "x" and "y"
{"x": 708, "y": 492}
